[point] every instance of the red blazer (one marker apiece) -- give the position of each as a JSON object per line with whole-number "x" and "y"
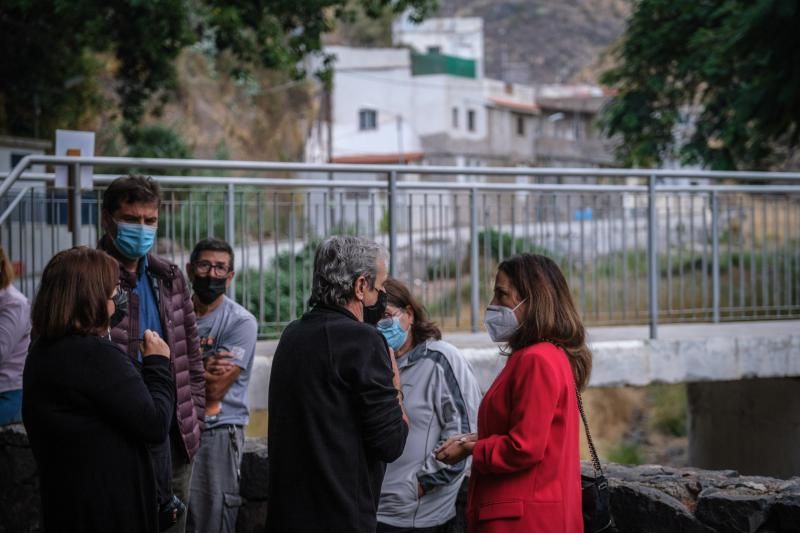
{"x": 526, "y": 462}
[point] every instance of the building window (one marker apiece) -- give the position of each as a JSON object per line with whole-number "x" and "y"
{"x": 16, "y": 158}
{"x": 455, "y": 118}
{"x": 471, "y": 120}
{"x": 367, "y": 119}
{"x": 434, "y": 49}
{"x": 520, "y": 125}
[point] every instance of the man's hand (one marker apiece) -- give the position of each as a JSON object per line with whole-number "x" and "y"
{"x": 395, "y": 370}
{"x": 221, "y": 372}
{"x": 219, "y": 363}
{"x": 397, "y": 385}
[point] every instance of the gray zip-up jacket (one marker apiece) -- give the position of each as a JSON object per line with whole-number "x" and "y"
{"x": 441, "y": 397}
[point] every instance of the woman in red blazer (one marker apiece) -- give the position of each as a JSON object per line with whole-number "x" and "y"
{"x": 525, "y": 456}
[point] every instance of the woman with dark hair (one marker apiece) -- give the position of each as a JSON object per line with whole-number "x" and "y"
{"x": 88, "y": 411}
{"x": 441, "y": 397}
{"x": 525, "y": 456}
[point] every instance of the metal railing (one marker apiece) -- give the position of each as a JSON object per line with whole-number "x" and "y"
{"x": 637, "y": 246}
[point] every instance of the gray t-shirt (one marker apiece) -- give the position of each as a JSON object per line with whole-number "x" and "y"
{"x": 231, "y": 328}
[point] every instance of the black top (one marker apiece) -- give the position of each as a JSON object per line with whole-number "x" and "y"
{"x": 334, "y": 421}
{"x": 89, "y": 414}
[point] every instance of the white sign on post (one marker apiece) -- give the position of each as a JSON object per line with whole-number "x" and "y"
{"x": 75, "y": 144}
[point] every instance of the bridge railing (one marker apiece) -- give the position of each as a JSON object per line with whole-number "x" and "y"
{"x": 637, "y": 246}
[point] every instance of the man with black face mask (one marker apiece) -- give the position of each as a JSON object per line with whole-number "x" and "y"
{"x": 228, "y": 340}
{"x": 336, "y": 415}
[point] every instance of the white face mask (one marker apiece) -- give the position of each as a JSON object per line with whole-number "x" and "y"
{"x": 501, "y": 322}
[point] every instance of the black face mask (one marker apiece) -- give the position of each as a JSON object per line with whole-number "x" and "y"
{"x": 373, "y": 313}
{"x": 120, "y": 308}
{"x": 208, "y": 288}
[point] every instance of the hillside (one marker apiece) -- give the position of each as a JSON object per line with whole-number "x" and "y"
{"x": 261, "y": 117}
{"x": 545, "y": 41}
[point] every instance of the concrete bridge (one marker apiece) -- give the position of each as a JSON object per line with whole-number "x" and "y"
{"x": 743, "y": 386}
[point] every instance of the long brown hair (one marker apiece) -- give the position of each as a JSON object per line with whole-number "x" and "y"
{"x": 73, "y": 296}
{"x": 551, "y": 314}
{"x": 398, "y": 295}
{"x": 6, "y": 270}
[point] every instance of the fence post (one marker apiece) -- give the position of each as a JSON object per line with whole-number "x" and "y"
{"x": 715, "y": 256}
{"x": 474, "y": 277}
{"x": 392, "y": 199}
{"x": 230, "y": 229}
{"x": 652, "y": 263}
{"x": 74, "y": 173}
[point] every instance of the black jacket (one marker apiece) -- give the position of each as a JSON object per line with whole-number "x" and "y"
{"x": 89, "y": 414}
{"x": 334, "y": 423}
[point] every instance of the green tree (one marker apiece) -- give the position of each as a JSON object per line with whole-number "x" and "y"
{"x": 48, "y": 46}
{"x": 715, "y": 82}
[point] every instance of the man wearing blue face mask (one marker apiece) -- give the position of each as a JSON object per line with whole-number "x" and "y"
{"x": 158, "y": 300}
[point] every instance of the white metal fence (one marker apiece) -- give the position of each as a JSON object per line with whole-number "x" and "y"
{"x": 636, "y": 246}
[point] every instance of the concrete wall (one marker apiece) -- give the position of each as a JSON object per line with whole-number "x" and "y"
{"x": 751, "y": 425}
{"x": 744, "y": 395}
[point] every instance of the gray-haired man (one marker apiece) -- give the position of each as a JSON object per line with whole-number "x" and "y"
{"x": 335, "y": 410}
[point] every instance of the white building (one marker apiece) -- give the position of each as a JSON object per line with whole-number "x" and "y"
{"x": 13, "y": 149}
{"x": 428, "y": 103}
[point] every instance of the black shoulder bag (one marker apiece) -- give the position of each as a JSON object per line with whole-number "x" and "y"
{"x": 594, "y": 489}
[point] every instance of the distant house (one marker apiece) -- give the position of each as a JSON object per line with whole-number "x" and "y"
{"x": 566, "y": 134}
{"x": 428, "y": 103}
{"x": 13, "y": 149}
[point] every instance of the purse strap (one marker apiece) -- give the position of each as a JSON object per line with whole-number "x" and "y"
{"x": 598, "y": 469}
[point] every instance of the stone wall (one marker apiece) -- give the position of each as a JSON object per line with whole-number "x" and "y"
{"x": 647, "y": 498}
{"x": 658, "y": 499}
{"x": 19, "y": 484}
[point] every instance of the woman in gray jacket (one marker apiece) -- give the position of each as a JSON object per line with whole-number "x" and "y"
{"x": 441, "y": 397}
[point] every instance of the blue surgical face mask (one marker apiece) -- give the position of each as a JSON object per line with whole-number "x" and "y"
{"x": 394, "y": 333}
{"x": 501, "y": 322}
{"x": 134, "y": 240}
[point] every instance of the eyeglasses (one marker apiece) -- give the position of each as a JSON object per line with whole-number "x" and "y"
{"x": 388, "y": 318}
{"x": 204, "y": 267}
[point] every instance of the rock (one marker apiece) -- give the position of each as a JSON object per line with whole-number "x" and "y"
{"x": 20, "y": 507}
{"x": 659, "y": 499}
{"x": 785, "y": 515}
{"x": 252, "y": 517}
{"x": 255, "y": 471}
{"x": 637, "y": 507}
{"x": 733, "y": 512}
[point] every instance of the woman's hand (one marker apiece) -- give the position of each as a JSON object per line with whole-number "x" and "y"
{"x": 153, "y": 344}
{"x": 456, "y": 448}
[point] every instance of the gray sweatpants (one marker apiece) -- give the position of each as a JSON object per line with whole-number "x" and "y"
{"x": 214, "y": 499}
